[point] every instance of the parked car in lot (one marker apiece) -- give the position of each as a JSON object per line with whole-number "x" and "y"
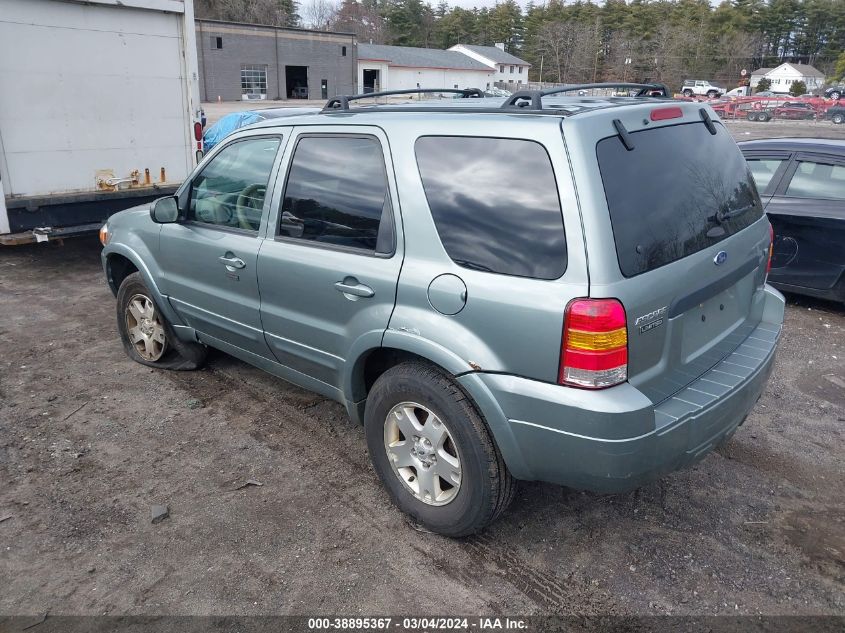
{"x": 802, "y": 184}
{"x": 834, "y": 92}
{"x": 795, "y": 110}
{"x": 699, "y": 87}
{"x": 836, "y": 114}
{"x": 430, "y": 266}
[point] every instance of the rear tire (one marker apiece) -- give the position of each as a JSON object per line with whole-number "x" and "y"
{"x": 838, "y": 119}
{"x": 835, "y": 95}
{"x": 147, "y": 336}
{"x": 408, "y": 407}
{"x": 687, "y": 93}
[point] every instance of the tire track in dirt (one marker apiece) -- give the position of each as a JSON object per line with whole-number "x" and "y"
{"x": 285, "y": 427}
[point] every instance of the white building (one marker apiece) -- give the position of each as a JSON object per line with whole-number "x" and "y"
{"x": 783, "y": 76}
{"x": 382, "y": 67}
{"x": 506, "y": 67}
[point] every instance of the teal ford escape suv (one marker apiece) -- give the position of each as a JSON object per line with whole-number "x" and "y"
{"x": 545, "y": 287}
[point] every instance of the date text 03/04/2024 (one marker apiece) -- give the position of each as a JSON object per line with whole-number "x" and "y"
{"x": 416, "y": 624}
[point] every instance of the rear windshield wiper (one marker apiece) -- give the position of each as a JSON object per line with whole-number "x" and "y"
{"x": 722, "y": 216}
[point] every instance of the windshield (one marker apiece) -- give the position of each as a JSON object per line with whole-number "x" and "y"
{"x": 680, "y": 190}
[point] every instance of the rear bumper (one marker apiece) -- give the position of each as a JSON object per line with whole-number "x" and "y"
{"x": 617, "y": 439}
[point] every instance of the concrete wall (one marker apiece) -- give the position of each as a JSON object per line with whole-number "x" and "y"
{"x": 220, "y": 69}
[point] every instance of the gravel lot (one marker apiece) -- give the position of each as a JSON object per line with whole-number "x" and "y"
{"x": 90, "y": 441}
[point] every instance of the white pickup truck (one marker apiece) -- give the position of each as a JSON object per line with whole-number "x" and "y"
{"x": 697, "y": 87}
{"x": 99, "y": 111}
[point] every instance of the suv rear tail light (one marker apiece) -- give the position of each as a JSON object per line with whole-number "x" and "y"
{"x": 771, "y": 248}
{"x": 197, "y": 131}
{"x": 594, "y": 353}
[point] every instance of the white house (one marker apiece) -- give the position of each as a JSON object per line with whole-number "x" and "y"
{"x": 507, "y": 67}
{"x": 783, "y": 76}
{"x": 382, "y": 67}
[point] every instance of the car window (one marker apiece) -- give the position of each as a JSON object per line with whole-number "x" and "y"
{"x": 763, "y": 170}
{"x": 337, "y": 194}
{"x": 818, "y": 180}
{"x": 495, "y": 204}
{"x": 680, "y": 190}
{"x": 230, "y": 189}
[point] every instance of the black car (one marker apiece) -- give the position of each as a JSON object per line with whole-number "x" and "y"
{"x": 834, "y": 92}
{"x": 802, "y": 184}
{"x": 836, "y": 114}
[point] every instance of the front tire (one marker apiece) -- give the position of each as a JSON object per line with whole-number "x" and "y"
{"x": 147, "y": 336}
{"x": 838, "y": 119}
{"x": 433, "y": 452}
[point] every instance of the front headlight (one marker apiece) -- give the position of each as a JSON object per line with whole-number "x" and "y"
{"x": 105, "y": 235}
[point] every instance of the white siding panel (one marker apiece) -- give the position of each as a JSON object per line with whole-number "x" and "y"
{"x": 90, "y": 87}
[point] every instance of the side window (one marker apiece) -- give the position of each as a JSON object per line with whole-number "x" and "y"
{"x": 495, "y": 204}
{"x": 818, "y": 180}
{"x": 336, "y": 193}
{"x": 230, "y": 189}
{"x": 763, "y": 170}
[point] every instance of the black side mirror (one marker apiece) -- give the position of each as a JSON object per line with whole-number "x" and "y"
{"x": 165, "y": 210}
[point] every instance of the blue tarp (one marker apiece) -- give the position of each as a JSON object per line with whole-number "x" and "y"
{"x": 228, "y": 124}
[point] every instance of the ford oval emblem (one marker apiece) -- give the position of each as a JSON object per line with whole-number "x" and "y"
{"x": 721, "y": 258}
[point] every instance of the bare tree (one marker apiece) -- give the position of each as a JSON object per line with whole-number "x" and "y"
{"x": 319, "y": 14}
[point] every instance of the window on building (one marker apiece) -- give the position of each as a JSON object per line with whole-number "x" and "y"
{"x": 501, "y": 69}
{"x": 455, "y": 86}
{"x": 217, "y": 42}
{"x": 343, "y": 51}
{"x": 520, "y": 70}
{"x": 493, "y": 215}
{"x": 326, "y": 201}
{"x": 254, "y": 81}
{"x": 511, "y": 70}
{"x": 230, "y": 189}
{"x": 818, "y": 180}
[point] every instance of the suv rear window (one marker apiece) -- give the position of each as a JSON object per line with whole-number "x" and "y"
{"x": 495, "y": 204}
{"x": 680, "y": 190}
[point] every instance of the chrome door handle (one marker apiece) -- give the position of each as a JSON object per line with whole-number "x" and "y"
{"x": 232, "y": 262}
{"x": 350, "y": 286}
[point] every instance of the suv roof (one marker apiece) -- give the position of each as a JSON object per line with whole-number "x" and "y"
{"x": 527, "y": 102}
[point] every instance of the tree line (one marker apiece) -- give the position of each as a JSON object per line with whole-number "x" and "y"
{"x": 584, "y": 41}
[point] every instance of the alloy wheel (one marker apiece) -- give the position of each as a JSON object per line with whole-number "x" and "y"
{"x": 145, "y": 329}
{"x": 422, "y": 453}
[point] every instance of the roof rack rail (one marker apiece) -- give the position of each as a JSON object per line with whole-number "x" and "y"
{"x": 342, "y": 102}
{"x": 533, "y": 99}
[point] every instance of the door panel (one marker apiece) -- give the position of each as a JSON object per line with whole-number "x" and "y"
{"x": 213, "y": 297}
{"x": 209, "y": 260}
{"x": 329, "y": 267}
{"x": 808, "y": 218}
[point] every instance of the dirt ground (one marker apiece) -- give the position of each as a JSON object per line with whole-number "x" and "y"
{"x": 89, "y": 441}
